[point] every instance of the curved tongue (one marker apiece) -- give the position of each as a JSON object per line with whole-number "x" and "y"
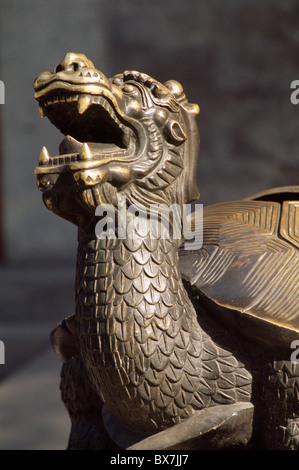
{"x": 70, "y": 145}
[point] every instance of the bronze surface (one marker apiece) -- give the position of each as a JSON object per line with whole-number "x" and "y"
{"x": 155, "y": 337}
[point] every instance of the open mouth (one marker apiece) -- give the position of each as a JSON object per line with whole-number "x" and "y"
{"x": 92, "y": 124}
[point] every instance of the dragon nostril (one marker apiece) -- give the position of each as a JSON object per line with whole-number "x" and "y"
{"x": 58, "y": 68}
{"x": 75, "y": 66}
{"x": 72, "y": 62}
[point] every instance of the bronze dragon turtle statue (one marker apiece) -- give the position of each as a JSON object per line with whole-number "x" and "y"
{"x": 178, "y": 347}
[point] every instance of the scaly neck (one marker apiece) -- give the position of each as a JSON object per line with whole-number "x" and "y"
{"x": 137, "y": 327}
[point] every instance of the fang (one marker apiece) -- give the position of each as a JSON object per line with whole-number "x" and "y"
{"x": 44, "y": 156}
{"x": 41, "y": 112}
{"x": 83, "y": 103}
{"x": 85, "y": 153}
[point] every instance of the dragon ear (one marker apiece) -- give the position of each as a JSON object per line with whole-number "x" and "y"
{"x": 174, "y": 132}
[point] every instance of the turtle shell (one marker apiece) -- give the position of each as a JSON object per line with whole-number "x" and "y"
{"x": 246, "y": 272}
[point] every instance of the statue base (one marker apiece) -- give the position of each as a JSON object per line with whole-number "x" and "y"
{"x": 218, "y": 427}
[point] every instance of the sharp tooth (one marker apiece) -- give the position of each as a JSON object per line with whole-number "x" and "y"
{"x": 83, "y": 103}
{"x": 44, "y": 157}
{"x": 41, "y": 112}
{"x": 85, "y": 153}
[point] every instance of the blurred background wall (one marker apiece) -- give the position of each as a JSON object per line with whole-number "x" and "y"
{"x": 235, "y": 59}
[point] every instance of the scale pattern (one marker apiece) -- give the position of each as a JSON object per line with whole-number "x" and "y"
{"x": 88, "y": 430}
{"x": 139, "y": 336}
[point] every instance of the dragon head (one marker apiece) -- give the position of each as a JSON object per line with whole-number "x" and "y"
{"x": 128, "y": 135}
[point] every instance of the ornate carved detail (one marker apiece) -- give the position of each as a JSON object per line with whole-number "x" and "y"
{"x": 242, "y": 248}
{"x": 154, "y": 344}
